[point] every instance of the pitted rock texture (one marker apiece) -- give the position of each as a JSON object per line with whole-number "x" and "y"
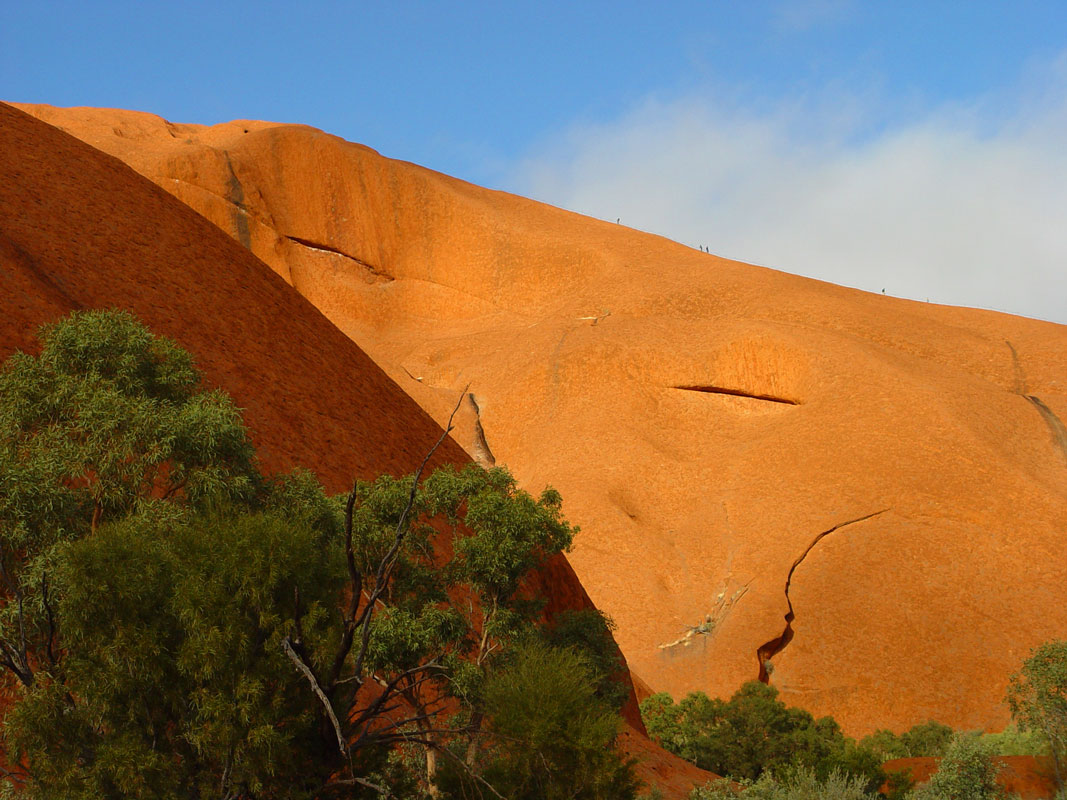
{"x": 705, "y": 420}
{"x": 79, "y": 229}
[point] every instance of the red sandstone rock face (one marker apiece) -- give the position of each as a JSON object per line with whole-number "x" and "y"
{"x": 869, "y": 493}
{"x": 79, "y": 229}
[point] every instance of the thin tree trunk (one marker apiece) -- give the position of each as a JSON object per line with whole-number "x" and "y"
{"x": 431, "y": 773}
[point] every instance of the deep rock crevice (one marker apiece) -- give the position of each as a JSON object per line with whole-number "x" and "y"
{"x": 482, "y": 454}
{"x": 325, "y": 248}
{"x": 770, "y": 398}
{"x": 770, "y": 649}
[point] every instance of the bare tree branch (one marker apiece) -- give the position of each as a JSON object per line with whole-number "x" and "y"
{"x": 51, "y": 621}
{"x": 385, "y": 567}
{"x": 287, "y": 646}
{"x": 356, "y": 578}
{"x": 336, "y": 786}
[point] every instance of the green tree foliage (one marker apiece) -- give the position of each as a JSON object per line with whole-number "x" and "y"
{"x": 172, "y": 617}
{"x": 754, "y": 732}
{"x": 928, "y": 739}
{"x": 589, "y": 631}
{"x": 968, "y": 771}
{"x": 1014, "y": 742}
{"x": 107, "y": 417}
{"x": 1037, "y": 695}
{"x": 551, "y": 736}
{"x": 794, "y": 784}
{"x": 172, "y": 626}
{"x": 417, "y": 641}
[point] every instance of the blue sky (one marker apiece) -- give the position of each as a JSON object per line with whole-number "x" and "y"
{"x": 851, "y": 141}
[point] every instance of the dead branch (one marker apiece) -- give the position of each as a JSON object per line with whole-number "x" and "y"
{"x": 51, "y": 621}
{"x": 385, "y": 567}
{"x": 287, "y": 646}
{"x": 336, "y": 786}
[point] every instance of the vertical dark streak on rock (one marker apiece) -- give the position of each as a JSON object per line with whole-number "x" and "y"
{"x": 236, "y": 195}
{"x": 1055, "y": 424}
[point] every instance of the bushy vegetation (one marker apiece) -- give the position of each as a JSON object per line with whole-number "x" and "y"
{"x": 929, "y": 739}
{"x": 174, "y": 624}
{"x": 967, "y": 772}
{"x": 794, "y": 784}
{"x": 754, "y": 732}
{"x": 1038, "y": 699}
{"x": 767, "y": 751}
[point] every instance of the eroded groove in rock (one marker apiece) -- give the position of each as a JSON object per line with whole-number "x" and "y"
{"x": 482, "y": 454}
{"x": 770, "y": 398}
{"x": 325, "y": 248}
{"x": 768, "y": 650}
{"x": 1017, "y": 369}
{"x": 236, "y": 196}
{"x": 1055, "y": 424}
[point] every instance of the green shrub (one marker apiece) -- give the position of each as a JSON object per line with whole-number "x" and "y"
{"x": 968, "y": 771}
{"x": 550, "y": 737}
{"x": 589, "y": 630}
{"x": 754, "y": 732}
{"x": 797, "y": 784}
{"x": 1014, "y": 742}
{"x": 929, "y": 739}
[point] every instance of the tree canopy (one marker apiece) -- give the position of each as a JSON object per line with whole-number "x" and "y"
{"x": 179, "y": 625}
{"x": 1037, "y": 695}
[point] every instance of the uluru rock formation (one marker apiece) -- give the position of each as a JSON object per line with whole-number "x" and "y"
{"x": 858, "y": 498}
{"x": 80, "y": 229}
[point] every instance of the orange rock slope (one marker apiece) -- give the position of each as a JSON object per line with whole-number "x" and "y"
{"x": 79, "y": 229}
{"x": 859, "y": 498}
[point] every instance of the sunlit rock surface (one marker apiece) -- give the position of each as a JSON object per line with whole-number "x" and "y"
{"x": 860, "y": 499}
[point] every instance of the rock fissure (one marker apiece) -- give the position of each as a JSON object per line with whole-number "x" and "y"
{"x": 324, "y": 248}
{"x": 770, "y": 398}
{"x": 770, "y": 649}
{"x": 481, "y": 452}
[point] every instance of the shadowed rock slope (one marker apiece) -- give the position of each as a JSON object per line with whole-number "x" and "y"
{"x": 860, "y": 499}
{"x": 79, "y": 229}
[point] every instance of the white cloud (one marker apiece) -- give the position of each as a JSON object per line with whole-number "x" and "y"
{"x": 966, "y": 206}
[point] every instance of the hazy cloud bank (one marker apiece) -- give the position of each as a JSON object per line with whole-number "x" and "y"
{"x": 959, "y": 205}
